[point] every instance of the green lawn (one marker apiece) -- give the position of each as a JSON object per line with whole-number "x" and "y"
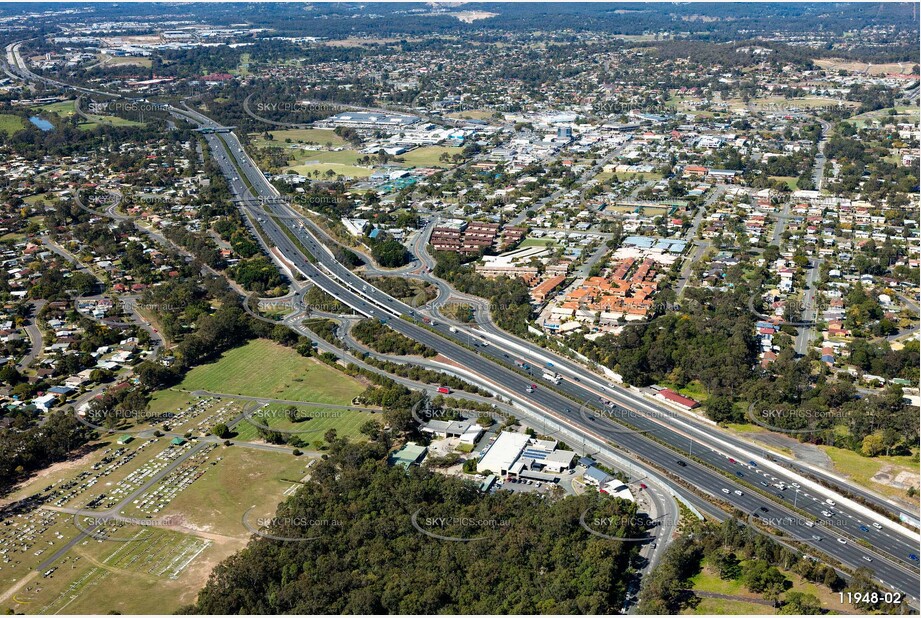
{"x": 350, "y": 171}
{"x": 725, "y": 607}
{"x": 347, "y": 423}
{"x": 303, "y": 136}
{"x": 861, "y": 469}
{"x": 428, "y": 156}
{"x": 790, "y": 181}
{"x": 538, "y": 242}
{"x": 645, "y": 176}
{"x": 61, "y": 108}
{"x": 169, "y": 401}
{"x": 263, "y": 368}
{"x": 9, "y": 123}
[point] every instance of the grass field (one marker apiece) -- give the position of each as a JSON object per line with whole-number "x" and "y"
{"x": 66, "y": 109}
{"x": 263, "y": 368}
{"x": 350, "y": 171}
{"x": 861, "y": 469}
{"x": 244, "y": 477}
{"x": 708, "y": 580}
{"x": 538, "y": 242}
{"x": 61, "y": 108}
{"x": 155, "y": 575}
{"x": 790, "y": 181}
{"x": 645, "y": 176}
{"x": 169, "y": 401}
{"x": 302, "y": 136}
{"x": 725, "y": 607}
{"x": 9, "y": 123}
{"x": 428, "y": 156}
{"x": 347, "y": 423}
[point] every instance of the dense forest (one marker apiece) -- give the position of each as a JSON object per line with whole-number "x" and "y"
{"x": 368, "y": 557}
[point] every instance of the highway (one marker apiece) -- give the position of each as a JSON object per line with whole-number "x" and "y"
{"x": 575, "y": 407}
{"x": 718, "y": 477}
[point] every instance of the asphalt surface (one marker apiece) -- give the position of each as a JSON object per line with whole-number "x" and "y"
{"x": 335, "y": 279}
{"x": 712, "y": 478}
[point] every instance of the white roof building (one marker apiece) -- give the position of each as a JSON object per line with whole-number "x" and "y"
{"x": 504, "y": 451}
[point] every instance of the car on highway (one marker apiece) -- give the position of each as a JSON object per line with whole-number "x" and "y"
{"x": 739, "y": 474}
{"x": 724, "y": 490}
{"x": 877, "y": 525}
{"x": 738, "y": 492}
{"x": 816, "y": 537}
{"x": 763, "y": 484}
{"x": 842, "y": 541}
{"x": 643, "y": 486}
{"x": 826, "y": 513}
{"x": 829, "y": 502}
{"x": 764, "y": 509}
{"x": 681, "y": 463}
{"x": 868, "y": 558}
{"x": 913, "y": 557}
{"x": 864, "y": 528}
{"x": 731, "y": 460}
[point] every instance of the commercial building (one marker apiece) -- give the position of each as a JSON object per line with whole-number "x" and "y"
{"x": 519, "y": 455}
{"x": 372, "y": 120}
{"x": 411, "y": 454}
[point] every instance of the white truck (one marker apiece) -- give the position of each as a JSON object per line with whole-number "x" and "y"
{"x": 552, "y": 377}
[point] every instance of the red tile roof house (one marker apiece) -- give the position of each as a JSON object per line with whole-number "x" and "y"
{"x": 679, "y": 400}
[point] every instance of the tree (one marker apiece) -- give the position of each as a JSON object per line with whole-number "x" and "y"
{"x": 221, "y": 431}
{"x": 801, "y": 603}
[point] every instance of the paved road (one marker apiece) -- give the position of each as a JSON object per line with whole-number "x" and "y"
{"x": 291, "y": 240}
{"x": 346, "y": 287}
{"x": 36, "y": 342}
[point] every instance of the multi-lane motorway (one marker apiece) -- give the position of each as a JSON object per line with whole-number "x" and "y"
{"x": 837, "y": 530}
{"x": 844, "y": 531}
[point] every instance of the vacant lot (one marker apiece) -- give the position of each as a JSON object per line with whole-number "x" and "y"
{"x": 836, "y": 64}
{"x": 263, "y": 368}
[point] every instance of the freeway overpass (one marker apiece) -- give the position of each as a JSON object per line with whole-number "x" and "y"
{"x": 707, "y": 468}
